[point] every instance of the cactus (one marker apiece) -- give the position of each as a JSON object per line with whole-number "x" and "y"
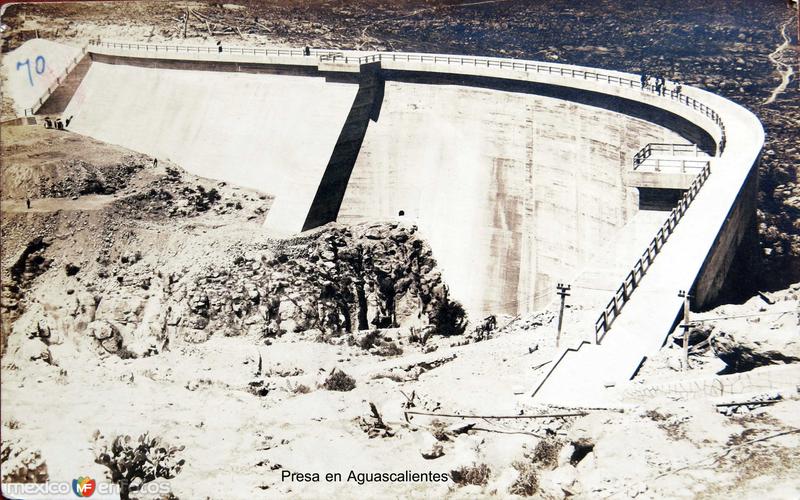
{"x": 132, "y": 464}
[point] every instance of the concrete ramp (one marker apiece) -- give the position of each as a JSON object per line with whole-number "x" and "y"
{"x": 32, "y": 69}
{"x": 272, "y": 133}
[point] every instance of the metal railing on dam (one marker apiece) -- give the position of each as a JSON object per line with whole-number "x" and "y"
{"x": 659, "y": 147}
{"x": 488, "y": 62}
{"x": 680, "y": 158}
{"x": 631, "y": 281}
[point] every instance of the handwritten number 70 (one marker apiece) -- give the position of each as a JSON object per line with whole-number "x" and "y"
{"x": 38, "y": 66}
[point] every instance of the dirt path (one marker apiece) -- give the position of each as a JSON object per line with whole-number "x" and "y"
{"x": 784, "y": 69}
{"x": 88, "y": 202}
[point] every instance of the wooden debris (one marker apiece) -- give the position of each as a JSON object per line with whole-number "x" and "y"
{"x": 410, "y": 400}
{"x": 541, "y": 365}
{"x": 457, "y": 429}
{"x": 496, "y": 417}
{"x": 766, "y": 298}
{"x": 748, "y": 403}
{"x": 377, "y": 416}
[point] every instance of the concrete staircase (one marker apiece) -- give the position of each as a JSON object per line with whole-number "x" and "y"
{"x": 62, "y": 95}
{"x": 586, "y": 373}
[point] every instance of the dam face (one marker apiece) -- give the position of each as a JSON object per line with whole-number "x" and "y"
{"x": 517, "y": 172}
{"x": 514, "y": 191}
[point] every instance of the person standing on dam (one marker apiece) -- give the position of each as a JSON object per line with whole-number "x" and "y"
{"x": 644, "y": 79}
{"x": 219, "y": 46}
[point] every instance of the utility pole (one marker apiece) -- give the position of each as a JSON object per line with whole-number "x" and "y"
{"x": 686, "y": 325}
{"x": 563, "y": 292}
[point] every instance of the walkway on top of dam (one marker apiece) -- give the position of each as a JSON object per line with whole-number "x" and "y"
{"x": 582, "y": 373}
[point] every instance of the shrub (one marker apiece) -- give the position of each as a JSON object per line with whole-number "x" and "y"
{"x": 389, "y": 349}
{"x": 546, "y": 452}
{"x": 485, "y": 330}
{"x": 339, "y": 381}
{"x": 132, "y": 464}
{"x": 301, "y": 389}
{"x": 527, "y": 482}
{"x": 419, "y": 337}
{"x": 439, "y": 430}
{"x": 21, "y": 464}
{"x": 449, "y": 318}
{"x": 369, "y": 340}
{"x": 474, "y": 474}
{"x": 545, "y": 455}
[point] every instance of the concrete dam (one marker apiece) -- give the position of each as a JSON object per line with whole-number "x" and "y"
{"x": 520, "y": 174}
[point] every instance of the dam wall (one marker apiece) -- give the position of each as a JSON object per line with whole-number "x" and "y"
{"x": 732, "y": 256}
{"x": 513, "y": 169}
{"x": 518, "y": 181}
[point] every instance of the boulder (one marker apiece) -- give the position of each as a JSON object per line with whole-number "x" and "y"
{"x": 745, "y": 350}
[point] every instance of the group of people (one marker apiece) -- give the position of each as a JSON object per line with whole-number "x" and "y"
{"x": 659, "y": 84}
{"x": 57, "y": 123}
{"x": 306, "y": 50}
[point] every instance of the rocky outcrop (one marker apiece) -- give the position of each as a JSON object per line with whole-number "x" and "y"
{"x": 744, "y": 350}
{"x": 341, "y": 279}
{"x": 29, "y": 264}
{"x": 335, "y": 282}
